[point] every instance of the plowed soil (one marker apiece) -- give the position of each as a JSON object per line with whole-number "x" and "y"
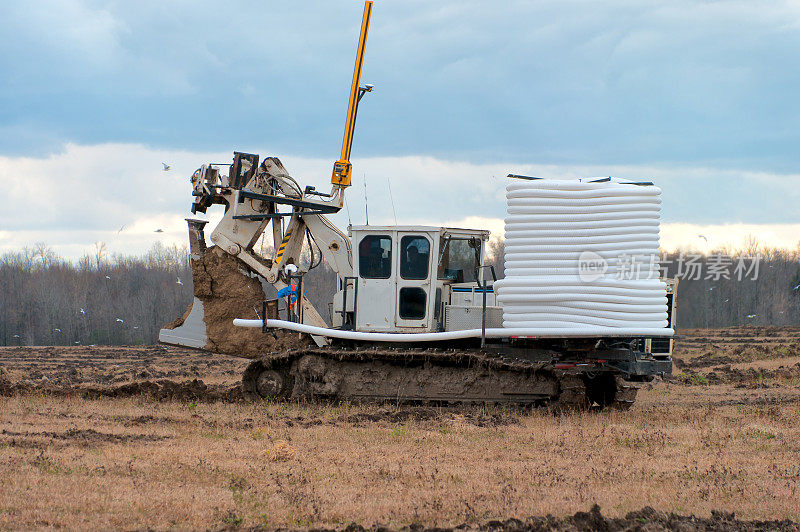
{"x": 158, "y": 372}
{"x": 155, "y": 437}
{"x": 747, "y": 357}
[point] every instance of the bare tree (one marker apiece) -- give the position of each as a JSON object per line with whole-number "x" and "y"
{"x": 44, "y": 253}
{"x": 99, "y": 252}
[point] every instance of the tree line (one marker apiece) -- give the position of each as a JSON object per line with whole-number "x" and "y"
{"x": 765, "y": 290}
{"x": 120, "y": 299}
{"x": 114, "y": 300}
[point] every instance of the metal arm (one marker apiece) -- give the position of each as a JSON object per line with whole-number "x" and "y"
{"x": 254, "y": 194}
{"x": 249, "y": 210}
{"x": 342, "y": 168}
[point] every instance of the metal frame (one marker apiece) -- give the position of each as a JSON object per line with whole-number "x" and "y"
{"x": 314, "y": 208}
{"x": 344, "y": 303}
{"x": 484, "y": 289}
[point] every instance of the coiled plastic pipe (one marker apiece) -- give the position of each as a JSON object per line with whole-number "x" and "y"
{"x": 551, "y": 224}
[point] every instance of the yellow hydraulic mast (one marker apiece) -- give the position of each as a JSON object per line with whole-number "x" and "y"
{"x": 342, "y": 167}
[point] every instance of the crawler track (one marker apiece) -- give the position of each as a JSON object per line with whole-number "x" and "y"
{"x": 429, "y": 376}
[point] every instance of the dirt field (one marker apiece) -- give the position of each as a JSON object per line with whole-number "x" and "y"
{"x": 98, "y": 437}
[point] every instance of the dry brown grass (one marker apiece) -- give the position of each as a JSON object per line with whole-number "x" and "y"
{"x": 132, "y": 463}
{"x": 722, "y": 437}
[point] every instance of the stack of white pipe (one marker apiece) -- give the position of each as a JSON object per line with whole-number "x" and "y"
{"x": 582, "y": 256}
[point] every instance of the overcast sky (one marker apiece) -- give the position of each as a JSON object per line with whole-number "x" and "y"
{"x": 700, "y": 97}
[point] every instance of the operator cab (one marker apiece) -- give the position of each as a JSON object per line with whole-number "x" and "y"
{"x": 404, "y": 277}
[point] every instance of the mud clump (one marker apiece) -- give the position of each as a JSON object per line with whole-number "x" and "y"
{"x": 7, "y": 388}
{"x": 194, "y": 390}
{"x": 646, "y": 519}
{"x": 162, "y": 390}
{"x": 85, "y": 437}
{"x": 229, "y": 289}
{"x": 477, "y": 417}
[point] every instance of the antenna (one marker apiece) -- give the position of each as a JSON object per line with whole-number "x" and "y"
{"x": 349, "y": 222}
{"x": 366, "y": 203}
{"x": 394, "y": 212}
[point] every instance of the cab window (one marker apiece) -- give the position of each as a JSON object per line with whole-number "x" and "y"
{"x": 460, "y": 258}
{"x": 412, "y": 303}
{"x": 375, "y": 257}
{"x": 415, "y": 255}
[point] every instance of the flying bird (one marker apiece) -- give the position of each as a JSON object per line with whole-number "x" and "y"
{"x": 57, "y": 330}
{"x": 159, "y": 230}
{"x": 179, "y": 281}
{"x": 703, "y": 237}
{"x": 166, "y": 167}
{"x": 120, "y": 229}
{"x": 83, "y": 311}
{"x": 16, "y": 336}
{"x": 796, "y": 287}
{"x": 120, "y": 320}
{"x": 107, "y": 277}
{"x": 750, "y": 316}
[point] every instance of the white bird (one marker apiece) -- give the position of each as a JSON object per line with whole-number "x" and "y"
{"x": 107, "y": 277}
{"x": 135, "y": 326}
{"x": 83, "y": 311}
{"x": 76, "y": 343}
{"x": 726, "y": 300}
{"x": 120, "y": 320}
{"x": 750, "y": 316}
{"x": 166, "y": 167}
{"x": 796, "y": 287}
{"x": 710, "y": 289}
{"x": 703, "y": 237}
{"x": 179, "y": 281}
{"x": 57, "y": 330}
{"x": 16, "y": 336}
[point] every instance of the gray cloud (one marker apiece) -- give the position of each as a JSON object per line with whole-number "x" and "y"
{"x": 697, "y": 83}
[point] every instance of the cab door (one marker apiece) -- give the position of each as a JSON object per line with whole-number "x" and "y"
{"x": 376, "y": 282}
{"x": 414, "y": 260}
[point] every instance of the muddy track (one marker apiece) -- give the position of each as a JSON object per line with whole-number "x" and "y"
{"x": 428, "y": 376}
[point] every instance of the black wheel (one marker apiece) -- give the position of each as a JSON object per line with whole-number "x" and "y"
{"x": 607, "y": 390}
{"x": 260, "y": 382}
{"x": 600, "y": 389}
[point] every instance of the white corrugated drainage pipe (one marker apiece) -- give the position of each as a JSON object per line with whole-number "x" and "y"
{"x": 582, "y": 332}
{"x": 550, "y": 227}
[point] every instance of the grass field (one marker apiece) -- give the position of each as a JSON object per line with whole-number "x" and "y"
{"x": 719, "y": 436}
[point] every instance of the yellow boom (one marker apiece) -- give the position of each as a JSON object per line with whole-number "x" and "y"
{"x": 342, "y": 167}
